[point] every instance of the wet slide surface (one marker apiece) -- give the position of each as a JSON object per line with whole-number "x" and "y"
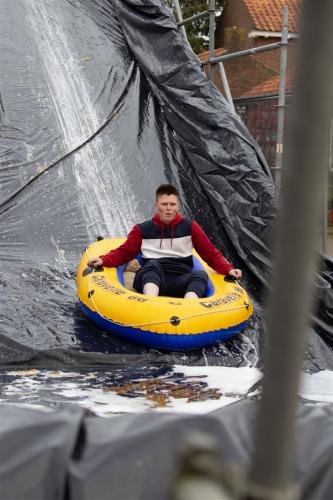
{"x": 95, "y": 113}
{"x": 100, "y": 102}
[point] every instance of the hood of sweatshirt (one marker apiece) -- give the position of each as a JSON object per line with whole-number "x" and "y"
{"x": 174, "y": 222}
{"x": 157, "y": 220}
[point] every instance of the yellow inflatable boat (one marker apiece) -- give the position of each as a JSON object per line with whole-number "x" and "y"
{"x": 160, "y": 322}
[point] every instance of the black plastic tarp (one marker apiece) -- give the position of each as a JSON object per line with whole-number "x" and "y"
{"x": 36, "y": 449}
{"x": 146, "y": 443}
{"x": 101, "y": 102}
{"x": 71, "y": 454}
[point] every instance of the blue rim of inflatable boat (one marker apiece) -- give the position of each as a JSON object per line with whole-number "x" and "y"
{"x": 164, "y": 340}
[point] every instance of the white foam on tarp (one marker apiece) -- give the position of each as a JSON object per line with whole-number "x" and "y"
{"x": 105, "y": 196}
{"x": 232, "y": 383}
{"x": 105, "y": 403}
{"x": 317, "y": 387}
{"x": 228, "y": 385}
{"x": 93, "y": 392}
{"x": 228, "y": 379}
{"x": 198, "y": 407}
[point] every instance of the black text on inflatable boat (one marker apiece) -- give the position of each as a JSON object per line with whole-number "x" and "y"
{"x": 232, "y": 297}
{"x": 137, "y": 299}
{"x": 101, "y": 282}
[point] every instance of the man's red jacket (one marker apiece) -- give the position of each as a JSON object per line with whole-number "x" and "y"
{"x": 171, "y": 243}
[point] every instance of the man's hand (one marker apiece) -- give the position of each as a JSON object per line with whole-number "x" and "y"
{"x": 235, "y": 273}
{"x": 95, "y": 262}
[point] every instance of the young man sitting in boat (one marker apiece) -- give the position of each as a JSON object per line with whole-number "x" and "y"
{"x": 166, "y": 243}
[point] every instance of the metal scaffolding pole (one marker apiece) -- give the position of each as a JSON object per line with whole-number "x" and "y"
{"x": 325, "y": 196}
{"x": 205, "y": 13}
{"x": 180, "y": 17}
{"x": 226, "y": 86}
{"x": 273, "y": 469}
{"x": 242, "y": 53}
{"x": 324, "y": 233}
{"x": 211, "y": 10}
{"x": 282, "y": 98}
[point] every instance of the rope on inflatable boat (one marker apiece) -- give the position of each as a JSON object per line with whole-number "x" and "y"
{"x": 157, "y": 322}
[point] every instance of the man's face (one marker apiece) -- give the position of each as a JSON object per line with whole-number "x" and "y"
{"x": 167, "y": 207}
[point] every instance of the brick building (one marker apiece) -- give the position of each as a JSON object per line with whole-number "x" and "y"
{"x": 254, "y": 79}
{"x": 246, "y": 24}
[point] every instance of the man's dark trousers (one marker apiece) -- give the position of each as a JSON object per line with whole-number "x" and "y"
{"x": 170, "y": 285}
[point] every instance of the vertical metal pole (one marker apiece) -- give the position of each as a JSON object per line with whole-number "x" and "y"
{"x": 272, "y": 473}
{"x": 327, "y": 202}
{"x": 325, "y": 190}
{"x": 211, "y": 36}
{"x": 226, "y": 86}
{"x": 180, "y": 17}
{"x": 330, "y": 151}
{"x": 324, "y": 242}
{"x": 282, "y": 98}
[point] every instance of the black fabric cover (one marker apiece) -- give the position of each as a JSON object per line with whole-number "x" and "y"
{"x": 35, "y": 449}
{"x": 75, "y": 456}
{"x": 100, "y": 101}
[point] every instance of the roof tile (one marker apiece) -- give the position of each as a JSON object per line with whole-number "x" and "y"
{"x": 270, "y": 86}
{"x": 203, "y": 56}
{"x": 267, "y": 14}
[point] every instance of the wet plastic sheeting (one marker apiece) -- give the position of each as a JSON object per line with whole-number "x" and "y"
{"x": 138, "y": 456}
{"x": 78, "y": 81}
{"x": 147, "y": 450}
{"x": 130, "y": 447}
{"x": 313, "y": 457}
{"x": 35, "y": 450}
{"x": 65, "y": 83}
{"x": 100, "y": 102}
{"x": 324, "y": 290}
